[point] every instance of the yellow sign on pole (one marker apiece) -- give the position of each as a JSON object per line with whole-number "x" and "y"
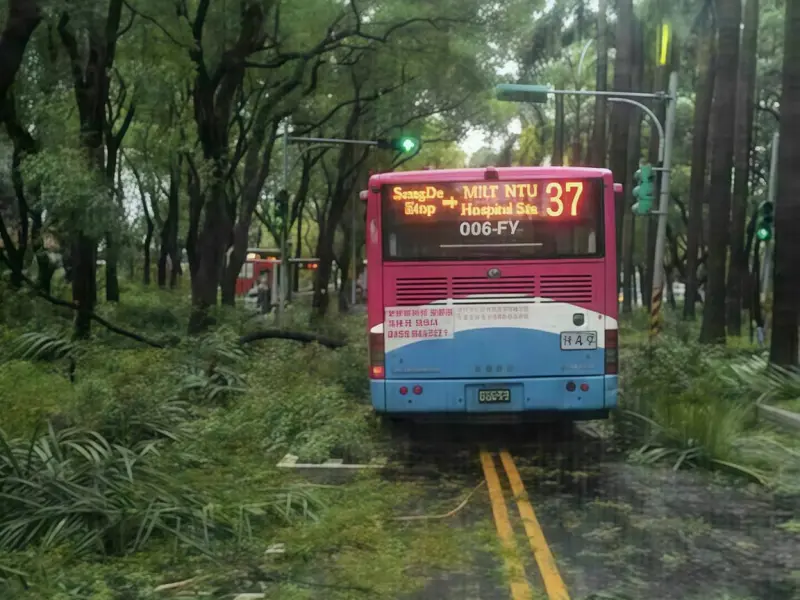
{"x": 663, "y": 45}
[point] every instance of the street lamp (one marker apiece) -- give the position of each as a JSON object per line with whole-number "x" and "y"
{"x": 517, "y": 92}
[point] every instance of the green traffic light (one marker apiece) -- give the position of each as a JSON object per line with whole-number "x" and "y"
{"x": 644, "y": 191}
{"x": 763, "y": 234}
{"x": 408, "y": 144}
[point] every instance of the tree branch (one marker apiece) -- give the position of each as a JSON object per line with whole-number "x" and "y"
{"x": 297, "y": 336}
{"x": 153, "y": 21}
{"x": 770, "y": 110}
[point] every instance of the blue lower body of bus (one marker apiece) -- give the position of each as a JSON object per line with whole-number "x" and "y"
{"x": 575, "y": 397}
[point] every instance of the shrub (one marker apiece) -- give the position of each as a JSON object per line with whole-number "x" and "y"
{"x": 679, "y": 404}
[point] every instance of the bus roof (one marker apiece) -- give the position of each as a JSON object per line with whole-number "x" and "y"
{"x": 503, "y": 173}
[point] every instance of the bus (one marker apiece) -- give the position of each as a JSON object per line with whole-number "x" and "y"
{"x": 493, "y": 293}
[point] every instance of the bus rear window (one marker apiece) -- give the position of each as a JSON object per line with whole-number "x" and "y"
{"x": 537, "y": 218}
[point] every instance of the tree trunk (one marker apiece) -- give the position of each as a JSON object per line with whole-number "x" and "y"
{"x": 91, "y": 86}
{"x": 558, "y": 134}
{"x": 597, "y": 157}
{"x": 621, "y": 113}
{"x": 348, "y": 166}
{"x": 84, "y": 284}
{"x": 344, "y": 261}
{"x": 634, "y": 154}
{"x": 298, "y": 253}
{"x": 322, "y": 276}
{"x": 112, "y": 259}
{"x": 23, "y": 17}
{"x": 786, "y": 304}
{"x": 745, "y": 94}
{"x": 723, "y": 116}
{"x": 212, "y": 240}
{"x": 650, "y": 222}
{"x": 169, "y": 230}
{"x": 704, "y": 95}
{"x": 256, "y": 171}
{"x": 148, "y": 240}
{"x": 670, "y": 291}
{"x": 44, "y": 266}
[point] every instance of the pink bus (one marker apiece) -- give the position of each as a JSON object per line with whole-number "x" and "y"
{"x": 493, "y": 293}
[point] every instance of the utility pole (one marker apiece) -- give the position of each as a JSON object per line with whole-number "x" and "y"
{"x": 353, "y": 267}
{"x": 663, "y": 208}
{"x": 284, "y": 233}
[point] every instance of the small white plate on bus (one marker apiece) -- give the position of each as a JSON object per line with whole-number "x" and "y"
{"x": 579, "y": 340}
{"x": 494, "y": 396}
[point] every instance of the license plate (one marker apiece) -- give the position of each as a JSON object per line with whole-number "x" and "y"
{"x": 493, "y": 396}
{"x": 579, "y": 340}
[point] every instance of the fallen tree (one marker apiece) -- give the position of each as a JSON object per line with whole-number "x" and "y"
{"x": 248, "y": 338}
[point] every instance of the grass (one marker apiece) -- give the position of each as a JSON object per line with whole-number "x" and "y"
{"x": 693, "y": 406}
{"x": 153, "y": 466}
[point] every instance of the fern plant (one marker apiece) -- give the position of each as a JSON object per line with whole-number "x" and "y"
{"x": 74, "y": 486}
{"x": 770, "y": 382}
{"x": 213, "y": 373}
{"x": 45, "y": 346}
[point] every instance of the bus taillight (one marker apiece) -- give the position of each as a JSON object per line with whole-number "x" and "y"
{"x": 376, "y": 356}
{"x": 612, "y": 356}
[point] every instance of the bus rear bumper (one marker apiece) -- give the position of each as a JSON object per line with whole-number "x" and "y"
{"x": 590, "y": 394}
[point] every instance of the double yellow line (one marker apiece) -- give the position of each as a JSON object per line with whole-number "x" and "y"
{"x": 520, "y": 588}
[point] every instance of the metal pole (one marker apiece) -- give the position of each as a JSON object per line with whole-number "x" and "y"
{"x": 653, "y": 118}
{"x": 663, "y": 209}
{"x": 353, "y": 251}
{"x": 333, "y": 141}
{"x": 772, "y": 193}
{"x": 284, "y": 253}
{"x": 651, "y": 95}
{"x": 274, "y": 283}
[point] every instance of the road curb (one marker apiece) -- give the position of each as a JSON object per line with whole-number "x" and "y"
{"x": 290, "y": 462}
{"x": 779, "y": 416}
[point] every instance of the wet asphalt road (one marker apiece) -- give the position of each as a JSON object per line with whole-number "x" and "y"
{"x": 594, "y": 525}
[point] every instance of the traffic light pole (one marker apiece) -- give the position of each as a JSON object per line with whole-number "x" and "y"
{"x": 663, "y": 208}
{"x": 284, "y": 233}
{"x": 283, "y": 270}
{"x": 537, "y": 94}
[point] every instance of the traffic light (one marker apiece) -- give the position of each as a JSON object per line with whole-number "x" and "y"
{"x": 311, "y": 265}
{"x": 644, "y": 191}
{"x": 766, "y": 216}
{"x": 405, "y": 144}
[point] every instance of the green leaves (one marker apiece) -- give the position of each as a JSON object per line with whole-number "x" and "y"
{"x": 74, "y": 195}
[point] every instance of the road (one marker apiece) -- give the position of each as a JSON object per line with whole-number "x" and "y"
{"x": 571, "y": 519}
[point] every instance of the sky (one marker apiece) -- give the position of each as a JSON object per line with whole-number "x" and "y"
{"x": 475, "y": 139}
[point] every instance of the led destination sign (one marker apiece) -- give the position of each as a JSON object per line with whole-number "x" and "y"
{"x": 493, "y": 219}
{"x": 532, "y": 199}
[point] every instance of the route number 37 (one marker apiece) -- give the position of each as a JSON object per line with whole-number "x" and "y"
{"x": 555, "y": 191}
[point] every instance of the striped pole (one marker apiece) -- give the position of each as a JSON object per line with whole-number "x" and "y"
{"x": 655, "y": 312}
